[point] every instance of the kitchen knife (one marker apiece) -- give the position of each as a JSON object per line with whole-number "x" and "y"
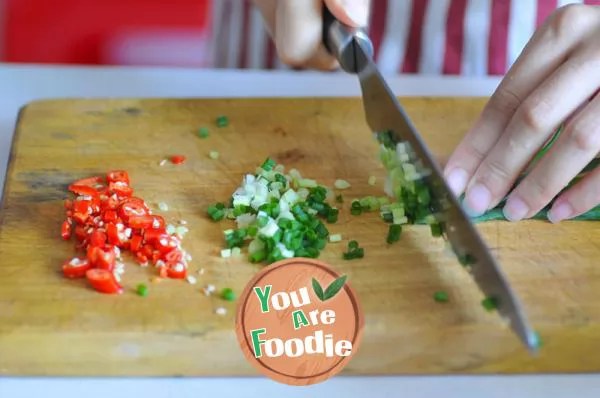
{"x": 354, "y": 51}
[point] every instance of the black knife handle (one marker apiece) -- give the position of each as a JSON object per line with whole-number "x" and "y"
{"x": 339, "y": 39}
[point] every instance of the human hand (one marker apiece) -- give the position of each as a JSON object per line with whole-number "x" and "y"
{"x": 554, "y": 82}
{"x": 296, "y": 27}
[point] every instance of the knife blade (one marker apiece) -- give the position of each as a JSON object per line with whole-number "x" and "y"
{"x": 354, "y": 51}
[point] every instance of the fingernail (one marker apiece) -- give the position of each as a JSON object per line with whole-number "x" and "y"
{"x": 560, "y": 211}
{"x": 515, "y": 209}
{"x": 477, "y": 200}
{"x": 356, "y": 10}
{"x": 457, "y": 180}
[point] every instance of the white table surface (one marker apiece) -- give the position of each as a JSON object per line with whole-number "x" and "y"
{"x": 20, "y": 84}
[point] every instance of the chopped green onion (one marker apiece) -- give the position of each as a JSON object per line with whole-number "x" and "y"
{"x": 222, "y": 121}
{"x": 227, "y": 294}
{"x": 213, "y": 155}
{"x": 394, "y": 232}
{"x": 307, "y": 183}
{"x": 142, "y": 290}
{"x": 440, "y": 297}
{"x": 268, "y": 164}
{"x": 341, "y": 184}
{"x": 354, "y": 254}
{"x": 356, "y": 208}
{"x": 335, "y": 238}
{"x": 490, "y": 303}
{"x": 436, "y": 229}
{"x": 216, "y": 214}
{"x": 352, "y": 244}
{"x": 372, "y": 180}
{"x": 281, "y": 216}
{"x": 339, "y": 199}
{"x": 171, "y": 229}
{"x": 203, "y": 133}
{"x": 258, "y": 256}
{"x": 226, "y": 253}
{"x": 332, "y": 217}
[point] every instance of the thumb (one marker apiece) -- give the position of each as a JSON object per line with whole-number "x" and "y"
{"x": 350, "y": 12}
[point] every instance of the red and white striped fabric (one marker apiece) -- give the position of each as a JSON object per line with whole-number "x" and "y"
{"x": 455, "y": 37}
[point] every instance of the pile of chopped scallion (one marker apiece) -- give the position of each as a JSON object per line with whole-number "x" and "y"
{"x": 278, "y": 215}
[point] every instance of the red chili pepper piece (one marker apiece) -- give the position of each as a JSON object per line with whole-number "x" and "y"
{"x": 117, "y": 176}
{"x": 136, "y": 243}
{"x": 102, "y": 257}
{"x": 82, "y": 210}
{"x": 68, "y": 204}
{"x": 132, "y": 207}
{"x": 177, "y": 271}
{"x": 173, "y": 257}
{"x": 96, "y": 205}
{"x": 155, "y": 256}
{"x": 152, "y": 236}
{"x": 146, "y": 222}
{"x": 167, "y": 244}
{"x": 178, "y": 159}
{"x": 147, "y": 250}
{"x": 98, "y": 238}
{"x": 76, "y": 267}
{"x": 65, "y": 231}
{"x": 141, "y": 258}
{"x": 110, "y": 216}
{"x": 85, "y": 190}
{"x": 92, "y": 255}
{"x": 80, "y": 232}
{"x": 122, "y": 190}
{"x": 103, "y": 281}
{"x": 91, "y": 181}
{"x": 107, "y": 258}
{"x": 111, "y": 202}
{"x": 115, "y": 237}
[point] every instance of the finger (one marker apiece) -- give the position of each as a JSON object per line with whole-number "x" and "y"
{"x": 322, "y": 60}
{"x": 575, "y": 148}
{"x": 532, "y": 124}
{"x": 298, "y": 26}
{"x": 583, "y": 196}
{"x": 546, "y": 50}
{"x": 350, "y": 12}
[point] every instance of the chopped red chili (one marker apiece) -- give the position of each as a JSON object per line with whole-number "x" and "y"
{"x": 178, "y": 159}
{"x": 105, "y": 218}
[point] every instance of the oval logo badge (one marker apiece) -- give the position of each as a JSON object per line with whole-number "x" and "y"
{"x": 299, "y": 322}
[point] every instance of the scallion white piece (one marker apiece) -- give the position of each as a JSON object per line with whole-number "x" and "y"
{"x": 335, "y": 238}
{"x": 341, "y": 184}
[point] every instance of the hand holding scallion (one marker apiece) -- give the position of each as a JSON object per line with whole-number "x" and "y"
{"x": 552, "y": 86}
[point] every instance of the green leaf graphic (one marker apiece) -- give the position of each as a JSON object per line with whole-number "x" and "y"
{"x": 318, "y": 289}
{"x": 335, "y": 287}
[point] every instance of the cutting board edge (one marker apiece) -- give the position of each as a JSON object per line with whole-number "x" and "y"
{"x": 11, "y": 159}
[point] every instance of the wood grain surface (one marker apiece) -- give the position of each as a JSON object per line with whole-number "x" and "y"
{"x": 53, "y": 326}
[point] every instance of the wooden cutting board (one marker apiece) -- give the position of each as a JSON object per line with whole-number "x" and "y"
{"x": 53, "y": 326}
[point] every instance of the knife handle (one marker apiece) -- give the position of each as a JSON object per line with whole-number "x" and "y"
{"x": 339, "y": 39}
